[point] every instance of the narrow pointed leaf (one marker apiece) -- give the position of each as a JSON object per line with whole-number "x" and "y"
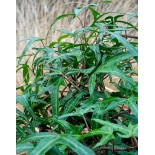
{"x": 76, "y": 146}
{"x": 94, "y": 12}
{"x": 23, "y": 147}
{"x": 114, "y": 71}
{"x": 26, "y": 73}
{"x": 65, "y": 55}
{"x": 115, "y": 103}
{"x": 133, "y": 106}
{"x": 54, "y": 95}
{"x": 91, "y": 83}
{"x": 128, "y": 45}
{"x": 44, "y": 146}
{"x": 37, "y": 136}
{"x": 57, "y": 19}
{"x": 115, "y": 127}
{"x": 54, "y": 151}
{"x": 23, "y": 101}
{"x": 119, "y": 58}
{"x": 31, "y": 41}
{"x": 96, "y": 50}
{"x": 104, "y": 140}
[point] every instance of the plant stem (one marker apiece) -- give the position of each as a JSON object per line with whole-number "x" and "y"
{"x": 71, "y": 82}
{"x": 86, "y": 122}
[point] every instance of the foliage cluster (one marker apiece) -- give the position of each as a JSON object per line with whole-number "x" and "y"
{"x": 67, "y": 108}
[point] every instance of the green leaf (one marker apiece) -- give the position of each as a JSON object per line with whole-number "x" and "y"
{"x": 23, "y": 101}
{"x": 98, "y": 113}
{"x": 69, "y": 128}
{"x": 132, "y": 131}
{"x": 131, "y": 118}
{"x": 119, "y": 58}
{"x": 21, "y": 114}
{"x": 65, "y": 125}
{"x": 101, "y": 32}
{"x": 94, "y": 12}
{"x": 26, "y": 73}
{"x": 135, "y": 130}
{"x": 65, "y": 55}
{"x": 63, "y": 37}
{"x": 39, "y": 60}
{"x": 49, "y": 140}
{"x": 118, "y": 16}
{"x": 76, "y": 146}
{"x": 43, "y": 90}
{"x": 114, "y": 71}
{"x": 77, "y": 11}
{"x": 75, "y": 70}
{"x": 54, "y": 151}
{"x": 91, "y": 83}
{"x": 79, "y": 111}
{"x": 133, "y": 106}
{"x": 105, "y": 130}
{"x": 57, "y": 19}
{"x": 44, "y": 146}
{"x": 106, "y": 1}
{"x": 31, "y": 41}
{"x": 127, "y": 23}
{"x": 37, "y": 136}
{"x": 36, "y": 100}
{"x": 64, "y": 31}
{"x": 129, "y": 46}
{"x": 104, "y": 140}
{"x": 24, "y": 147}
{"x": 54, "y": 95}
{"x": 70, "y": 105}
{"x": 20, "y": 130}
{"x": 115, "y": 127}
{"x": 115, "y": 103}
{"x": 48, "y": 51}
{"x": 96, "y": 50}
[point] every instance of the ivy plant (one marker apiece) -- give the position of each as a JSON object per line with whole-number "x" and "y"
{"x": 67, "y": 106}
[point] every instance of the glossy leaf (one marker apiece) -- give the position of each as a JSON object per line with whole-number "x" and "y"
{"x": 23, "y": 101}
{"x": 54, "y": 95}
{"x": 133, "y": 106}
{"x": 115, "y": 103}
{"x": 113, "y": 126}
{"x": 104, "y": 140}
{"x": 54, "y": 151}
{"x": 114, "y": 71}
{"x": 44, "y": 146}
{"x": 129, "y": 46}
{"x": 24, "y": 147}
{"x": 59, "y": 18}
{"x": 26, "y": 73}
{"x": 31, "y": 41}
{"x": 65, "y": 55}
{"x": 37, "y": 136}
{"x": 94, "y": 12}
{"x": 91, "y": 83}
{"x": 76, "y": 146}
{"x": 96, "y": 50}
{"x": 77, "y": 11}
